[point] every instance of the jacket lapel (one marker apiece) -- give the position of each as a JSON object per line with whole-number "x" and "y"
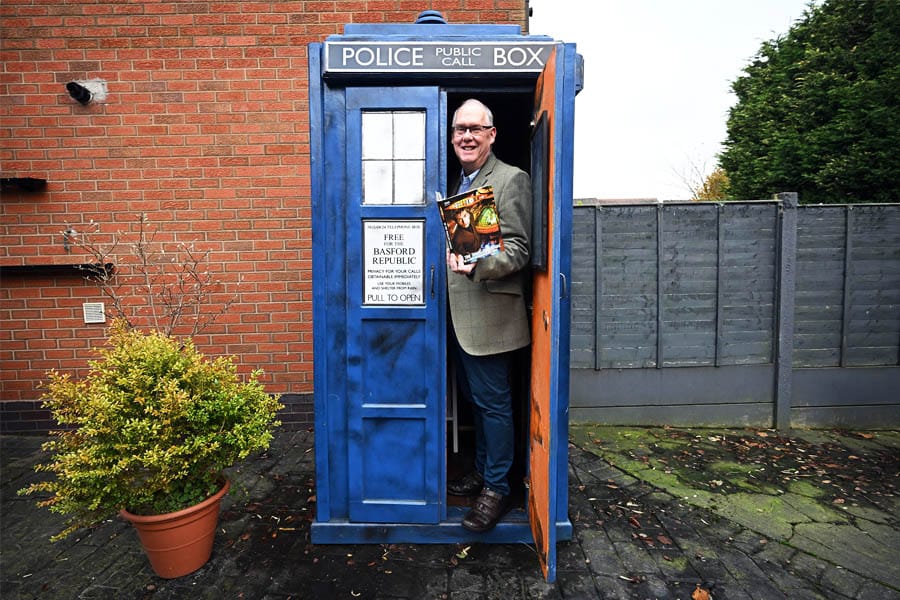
{"x": 484, "y": 174}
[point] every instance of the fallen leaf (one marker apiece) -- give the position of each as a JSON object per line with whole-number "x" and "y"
{"x": 760, "y": 434}
{"x": 663, "y": 539}
{"x": 700, "y": 594}
{"x": 634, "y": 522}
{"x": 464, "y": 553}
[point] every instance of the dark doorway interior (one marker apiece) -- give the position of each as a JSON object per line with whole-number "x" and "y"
{"x": 513, "y": 112}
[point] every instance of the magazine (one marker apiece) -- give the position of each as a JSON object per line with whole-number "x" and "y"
{"x": 472, "y": 224}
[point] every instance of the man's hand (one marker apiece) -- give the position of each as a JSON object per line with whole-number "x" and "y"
{"x": 455, "y": 262}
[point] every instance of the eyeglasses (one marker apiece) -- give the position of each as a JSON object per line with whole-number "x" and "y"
{"x": 476, "y": 130}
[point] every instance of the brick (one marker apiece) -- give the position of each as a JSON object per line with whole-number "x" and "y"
{"x": 206, "y": 127}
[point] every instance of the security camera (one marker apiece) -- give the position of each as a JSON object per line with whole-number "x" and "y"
{"x": 81, "y": 94}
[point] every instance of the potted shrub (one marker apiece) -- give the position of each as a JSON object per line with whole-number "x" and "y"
{"x": 148, "y": 432}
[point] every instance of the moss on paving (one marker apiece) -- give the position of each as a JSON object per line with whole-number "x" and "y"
{"x": 805, "y": 488}
{"x": 756, "y": 479}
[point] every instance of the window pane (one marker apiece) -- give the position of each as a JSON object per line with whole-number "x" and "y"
{"x": 409, "y": 135}
{"x": 376, "y": 135}
{"x": 409, "y": 185}
{"x": 377, "y": 182}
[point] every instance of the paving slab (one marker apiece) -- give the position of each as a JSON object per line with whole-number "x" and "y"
{"x": 641, "y": 529}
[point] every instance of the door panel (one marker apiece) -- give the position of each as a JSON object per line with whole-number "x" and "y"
{"x": 396, "y": 343}
{"x": 544, "y": 439}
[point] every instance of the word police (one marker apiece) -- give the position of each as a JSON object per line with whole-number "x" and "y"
{"x": 349, "y": 57}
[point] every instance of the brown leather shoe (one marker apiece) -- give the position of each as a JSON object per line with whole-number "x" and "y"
{"x": 488, "y": 510}
{"x": 468, "y": 485}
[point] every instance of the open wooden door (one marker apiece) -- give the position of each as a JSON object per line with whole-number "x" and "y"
{"x": 551, "y": 180}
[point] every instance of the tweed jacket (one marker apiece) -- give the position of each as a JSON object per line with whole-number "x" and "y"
{"x": 487, "y": 308}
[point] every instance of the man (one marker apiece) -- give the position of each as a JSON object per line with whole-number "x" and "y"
{"x": 488, "y": 315}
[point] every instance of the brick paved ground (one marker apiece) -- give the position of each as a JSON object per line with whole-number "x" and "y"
{"x": 631, "y": 540}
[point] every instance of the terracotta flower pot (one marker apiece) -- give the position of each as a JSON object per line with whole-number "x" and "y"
{"x": 181, "y": 542}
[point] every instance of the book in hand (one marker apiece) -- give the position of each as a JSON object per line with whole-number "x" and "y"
{"x": 472, "y": 223}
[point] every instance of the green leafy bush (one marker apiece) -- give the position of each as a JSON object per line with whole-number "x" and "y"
{"x": 150, "y": 428}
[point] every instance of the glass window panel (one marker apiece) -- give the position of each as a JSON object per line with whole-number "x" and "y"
{"x": 393, "y": 157}
{"x": 377, "y": 182}
{"x": 409, "y": 134}
{"x": 409, "y": 182}
{"x": 376, "y": 135}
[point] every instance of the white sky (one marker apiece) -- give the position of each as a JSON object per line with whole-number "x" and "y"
{"x": 656, "y": 84}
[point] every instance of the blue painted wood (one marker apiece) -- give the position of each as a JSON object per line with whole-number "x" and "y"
{"x": 379, "y": 416}
{"x": 322, "y": 415}
{"x": 569, "y": 83}
{"x": 332, "y": 256}
{"x": 513, "y": 529}
{"x": 396, "y": 356}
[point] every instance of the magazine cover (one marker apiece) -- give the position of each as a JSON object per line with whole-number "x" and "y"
{"x": 472, "y": 224}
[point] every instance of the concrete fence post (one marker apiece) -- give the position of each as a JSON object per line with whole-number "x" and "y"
{"x": 785, "y": 291}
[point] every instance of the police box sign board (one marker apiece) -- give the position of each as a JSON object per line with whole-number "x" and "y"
{"x": 436, "y": 57}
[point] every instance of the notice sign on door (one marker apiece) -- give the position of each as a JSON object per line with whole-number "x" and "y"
{"x": 393, "y": 253}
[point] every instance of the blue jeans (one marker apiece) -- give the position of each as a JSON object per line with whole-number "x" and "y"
{"x": 484, "y": 380}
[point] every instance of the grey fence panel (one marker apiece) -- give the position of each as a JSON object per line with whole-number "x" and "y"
{"x": 584, "y": 306}
{"x": 688, "y": 269}
{"x": 626, "y": 325}
{"x": 748, "y": 283}
{"x": 743, "y": 296}
{"x": 873, "y": 282}
{"x": 819, "y": 304}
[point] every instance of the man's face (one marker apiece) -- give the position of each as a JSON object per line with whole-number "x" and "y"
{"x": 463, "y": 218}
{"x": 472, "y": 150}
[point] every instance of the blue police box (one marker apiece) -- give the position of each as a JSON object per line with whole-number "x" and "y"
{"x": 381, "y": 99}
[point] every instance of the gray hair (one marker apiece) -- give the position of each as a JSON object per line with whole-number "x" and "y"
{"x": 472, "y": 101}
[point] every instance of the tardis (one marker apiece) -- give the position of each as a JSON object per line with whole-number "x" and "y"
{"x": 387, "y": 419}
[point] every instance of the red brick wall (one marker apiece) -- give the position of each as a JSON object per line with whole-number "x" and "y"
{"x": 204, "y": 130}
